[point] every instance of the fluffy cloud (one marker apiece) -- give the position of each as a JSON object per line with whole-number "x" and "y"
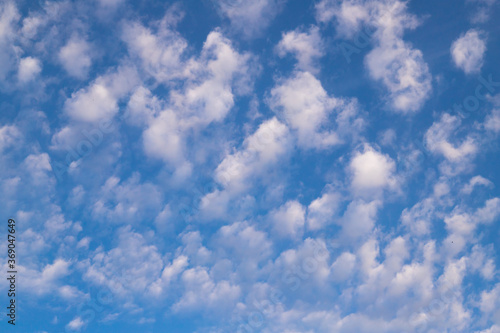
{"x": 211, "y": 83}
{"x": 289, "y": 219}
{"x": 308, "y": 110}
{"x": 9, "y": 16}
{"x": 262, "y": 149}
{"x": 438, "y": 136}
{"x": 201, "y": 292}
{"x": 160, "y": 54}
{"x": 306, "y": 46}
{"x": 142, "y": 267}
{"x": 320, "y": 211}
{"x": 394, "y": 62}
{"x": 468, "y": 51}
{"x": 250, "y": 18}
{"x": 372, "y": 171}
{"x": 29, "y": 68}
{"x": 130, "y": 201}
{"x": 8, "y": 136}
{"x": 99, "y": 101}
{"x": 75, "y": 57}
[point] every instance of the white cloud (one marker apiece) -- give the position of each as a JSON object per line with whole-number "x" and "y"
{"x": 9, "y": 135}
{"x": 76, "y": 324}
{"x": 404, "y": 73}
{"x": 75, "y": 57}
{"x": 343, "y": 267}
{"x": 289, "y": 219}
{"x": 99, "y": 101}
{"x": 160, "y": 54}
{"x": 135, "y": 275}
{"x": 306, "y": 46}
{"x": 476, "y": 181}
{"x": 211, "y": 83}
{"x": 438, "y": 135}
{"x": 359, "y": 219}
{"x": 392, "y": 61}
{"x": 309, "y": 110}
{"x": 372, "y": 172}
{"x": 202, "y": 293}
{"x": 418, "y": 219}
{"x": 492, "y": 120}
{"x": 250, "y": 18}
{"x": 468, "y": 51}
{"x": 321, "y": 210}
{"x": 261, "y": 150}
{"x": 29, "y": 68}
{"x": 127, "y": 202}
{"x": 9, "y": 16}
{"x": 483, "y": 10}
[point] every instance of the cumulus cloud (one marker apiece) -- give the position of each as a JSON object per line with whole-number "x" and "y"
{"x": 99, "y": 100}
{"x": 9, "y": 135}
{"x": 468, "y": 51}
{"x": 321, "y": 211}
{"x": 122, "y": 277}
{"x": 29, "y": 68}
{"x": 250, "y": 18}
{"x": 160, "y": 54}
{"x": 307, "y": 108}
{"x": 9, "y": 16}
{"x": 372, "y": 171}
{"x": 438, "y": 138}
{"x": 289, "y": 219}
{"x": 307, "y": 46}
{"x": 262, "y": 149}
{"x": 212, "y": 81}
{"x": 75, "y": 57}
{"x": 394, "y": 62}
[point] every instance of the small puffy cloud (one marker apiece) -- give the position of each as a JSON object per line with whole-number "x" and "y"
{"x": 201, "y": 292}
{"x": 343, "y": 267}
{"x": 404, "y": 73}
{"x": 306, "y": 46}
{"x": 320, "y": 211}
{"x": 483, "y": 10}
{"x": 262, "y": 149}
{"x": 9, "y": 134}
{"x": 250, "y": 18}
{"x": 9, "y": 16}
{"x": 418, "y": 219}
{"x": 99, "y": 101}
{"x": 123, "y": 277}
{"x": 476, "y": 181}
{"x": 289, "y": 219}
{"x": 308, "y": 110}
{"x": 76, "y": 324}
{"x": 438, "y": 136}
{"x": 394, "y": 62}
{"x": 29, "y": 68}
{"x": 359, "y": 219}
{"x": 160, "y": 54}
{"x": 75, "y": 57}
{"x": 372, "y": 171}
{"x": 127, "y": 201}
{"x": 212, "y": 81}
{"x": 468, "y": 51}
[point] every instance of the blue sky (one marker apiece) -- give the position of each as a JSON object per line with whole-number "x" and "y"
{"x": 251, "y": 166}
